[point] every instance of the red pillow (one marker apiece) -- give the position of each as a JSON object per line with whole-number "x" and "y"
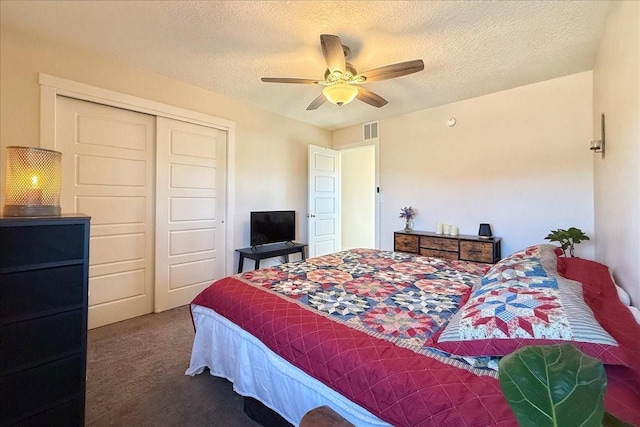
{"x": 583, "y": 270}
{"x": 601, "y": 296}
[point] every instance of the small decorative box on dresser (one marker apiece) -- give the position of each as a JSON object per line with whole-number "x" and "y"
{"x": 463, "y": 247}
{"x": 43, "y": 319}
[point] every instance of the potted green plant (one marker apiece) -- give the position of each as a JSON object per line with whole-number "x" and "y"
{"x": 567, "y": 238}
{"x": 554, "y": 386}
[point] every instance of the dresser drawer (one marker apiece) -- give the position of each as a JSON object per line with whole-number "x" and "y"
{"x": 476, "y": 251}
{"x": 32, "y": 293}
{"x": 405, "y": 243}
{"x": 29, "y": 392}
{"x": 439, "y": 243}
{"x": 41, "y": 244}
{"x": 41, "y": 340}
{"x": 70, "y": 414}
{"x": 449, "y": 256}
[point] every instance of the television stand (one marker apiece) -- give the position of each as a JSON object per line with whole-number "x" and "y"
{"x": 255, "y": 248}
{"x": 258, "y": 253}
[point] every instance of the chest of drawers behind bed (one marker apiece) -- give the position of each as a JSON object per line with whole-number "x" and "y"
{"x": 461, "y": 247}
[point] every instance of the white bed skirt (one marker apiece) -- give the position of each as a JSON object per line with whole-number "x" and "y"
{"x": 255, "y": 371}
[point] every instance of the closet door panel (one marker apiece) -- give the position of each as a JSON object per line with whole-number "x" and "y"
{"x": 190, "y": 223}
{"x": 108, "y": 163}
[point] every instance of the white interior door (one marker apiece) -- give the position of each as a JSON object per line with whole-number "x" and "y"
{"x": 190, "y": 223}
{"x": 324, "y": 201}
{"x": 107, "y": 173}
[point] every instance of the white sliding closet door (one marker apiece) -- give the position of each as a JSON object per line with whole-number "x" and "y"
{"x": 190, "y": 208}
{"x": 107, "y": 172}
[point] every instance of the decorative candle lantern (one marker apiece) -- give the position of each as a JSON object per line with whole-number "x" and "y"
{"x": 32, "y": 182}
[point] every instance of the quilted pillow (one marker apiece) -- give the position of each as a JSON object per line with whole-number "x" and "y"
{"x": 509, "y": 311}
{"x": 530, "y": 311}
{"x": 532, "y": 261}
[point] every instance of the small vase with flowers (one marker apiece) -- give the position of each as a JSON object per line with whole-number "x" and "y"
{"x": 408, "y": 213}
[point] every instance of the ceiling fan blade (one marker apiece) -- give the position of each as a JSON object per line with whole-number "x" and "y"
{"x": 393, "y": 70}
{"x": 370, "y": 98}
{"x": 333, "y": 53}
{"x": 288, "y": 80}
{"x": 317, "y": 102}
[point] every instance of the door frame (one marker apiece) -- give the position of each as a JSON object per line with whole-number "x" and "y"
{"x": 375, "y": 142}
{"x": 51, "y": 87}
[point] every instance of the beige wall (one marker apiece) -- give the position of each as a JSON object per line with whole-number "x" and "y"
{"x": 517, "y": 159}
{"x": 617, "y": 176}
{"x": 271, "y": 151}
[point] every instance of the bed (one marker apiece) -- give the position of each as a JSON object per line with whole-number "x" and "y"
{"x": 389, "y": 338}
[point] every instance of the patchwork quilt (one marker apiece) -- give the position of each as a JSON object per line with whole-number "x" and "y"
{"x": 361, "y": 340}
{"x": 394, "y": 296}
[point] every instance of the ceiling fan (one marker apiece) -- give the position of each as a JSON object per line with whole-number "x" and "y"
{"x": 342, "y": 82}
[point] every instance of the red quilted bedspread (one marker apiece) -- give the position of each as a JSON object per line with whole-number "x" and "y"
{"x": 399, "y": 385}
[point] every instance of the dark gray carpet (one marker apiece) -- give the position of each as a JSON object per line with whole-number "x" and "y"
{"x": 135, "y": 377}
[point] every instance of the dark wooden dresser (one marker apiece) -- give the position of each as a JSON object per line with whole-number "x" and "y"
{"x": 44, "y": 264}
{"x": 463, "y": 247}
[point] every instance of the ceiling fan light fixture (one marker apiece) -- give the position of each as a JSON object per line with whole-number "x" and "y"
{"x": 341, "y": 77}
{"x": 340, "y": 93}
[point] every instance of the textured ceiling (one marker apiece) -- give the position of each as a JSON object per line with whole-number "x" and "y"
{"x": 470, "y": 48}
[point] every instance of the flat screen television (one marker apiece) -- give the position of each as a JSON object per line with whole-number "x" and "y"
{"x": 272, "y": 227}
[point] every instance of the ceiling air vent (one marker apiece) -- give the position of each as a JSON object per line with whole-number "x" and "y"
{"x": 370, "y": 130}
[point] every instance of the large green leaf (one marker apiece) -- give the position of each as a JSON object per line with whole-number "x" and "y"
{"x": 554, "y": 385}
